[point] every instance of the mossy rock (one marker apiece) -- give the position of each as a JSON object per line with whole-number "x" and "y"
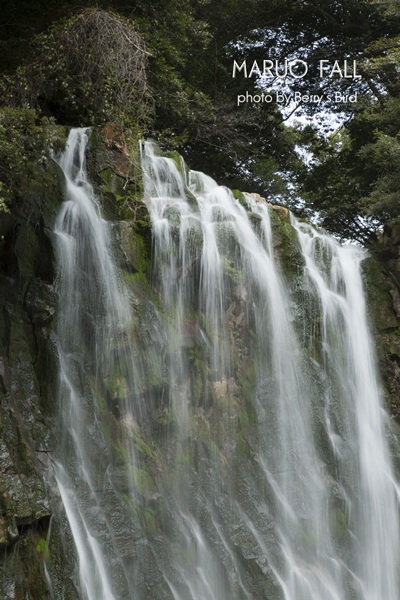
{"x": 378, "y": 287}
{"x": 134, "y": 249}
{"x": 114, "y": 168}
{"x": 240, "y": 196}
{"x": 286, "y": 245}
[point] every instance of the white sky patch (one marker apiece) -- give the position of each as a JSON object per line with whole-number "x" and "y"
{"x": 325, "y": 122}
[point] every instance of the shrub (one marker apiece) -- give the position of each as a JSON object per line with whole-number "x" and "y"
{"x": 25, "y": 144}
{"x": 88, "y": 69}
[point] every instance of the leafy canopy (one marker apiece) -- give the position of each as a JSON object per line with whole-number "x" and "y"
{"x": 174, "y": 83}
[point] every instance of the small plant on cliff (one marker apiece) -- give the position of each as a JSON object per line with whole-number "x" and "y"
{"x": 88, "y": 69}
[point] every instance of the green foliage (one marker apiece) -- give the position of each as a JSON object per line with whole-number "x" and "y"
{"x": 26, "y": 142}
{"x": 94, "y": 66}
{"x": 178, "y": 40}
{"x": 354, "y": 181}
{"x": 383, "y": 155}
{"x": 88, "y": 69}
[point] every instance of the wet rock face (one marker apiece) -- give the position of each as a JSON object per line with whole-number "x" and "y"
{"x": 27, "y": 385}
{"x": 382, "y": 284}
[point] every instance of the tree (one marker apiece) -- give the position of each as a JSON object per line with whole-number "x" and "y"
{"x": 86, "y": 69}
{"x": 354, "y": 186}
{"x": 189, "y": 47}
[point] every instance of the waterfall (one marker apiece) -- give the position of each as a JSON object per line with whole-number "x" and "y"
{"x": 353, "y": 419}
{"x": 260, "y": 467}
{"x": 93, "y": 341}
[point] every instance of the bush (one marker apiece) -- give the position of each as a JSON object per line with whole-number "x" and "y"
{"x": 25, "y": 145}
{"x": 88, "y": 69}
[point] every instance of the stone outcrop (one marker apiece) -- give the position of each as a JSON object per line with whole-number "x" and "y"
{"x": 28, "y": 378}
{"x": 382, "y": 282}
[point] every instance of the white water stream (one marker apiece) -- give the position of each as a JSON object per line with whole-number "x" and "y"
{"x": 93, "y": 328}
{"x": 296, "y": 497}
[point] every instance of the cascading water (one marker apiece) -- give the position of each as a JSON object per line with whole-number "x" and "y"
{"x": 93, "y": 347}
{"x": 353, "y": 415}
{"x": 260, "y": 468}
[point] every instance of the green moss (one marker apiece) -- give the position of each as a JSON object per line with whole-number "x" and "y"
{"x": 116, "y": 387}
{"x": 209, "y": 446}
{"x": 287, "y": 246}
{"x": 164, "y": 417}
{"x": 28, "y": 567}
{"x": 199, "y": 388}
{"x": 340, "y": 523}
{"x": 120, "y": 452}
{"x": 141, "y": 478}
{"x": 149, "y": 519}
{"x": 241, "y": 198}
{"x": 140, "y": 285}
{"x": 247, "y": 382}
{"x": 100, "y": 398}
{"x": 183, "y": 456}
{"x": 139, "y": 252}
{"x": 113, "y": 184}
{"x": 154, "y": 369}
{"x": 43, "y": 549}
{"x": 229, "y": 268}
{"x": 250, "y": 374}
{"x": 114, "y": 164}
{"x": 179, "y": 162}
{"x": 144, "y": 448}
